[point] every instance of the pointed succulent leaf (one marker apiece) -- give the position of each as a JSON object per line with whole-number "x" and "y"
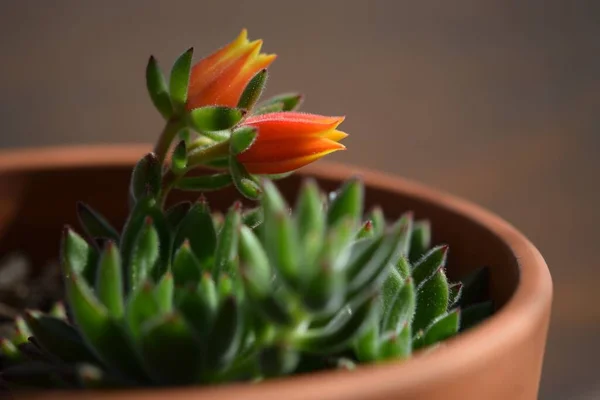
{"x": 214, "y": 118}
{"x": 405, "y": 239}
{"x": 204, "y": 183}
{"x": 144, "y": 255}
{"x": 348, "y": 202}
{"x": 396, "y": 345}
{"x": 403, "y": 267}
{"x": 59, "y": 338}
{"x": 391, "y": 287}
{"x": 22, "y": 331}
{"x": 179, "y": 79}
{"x": 441, "y": 328}
{"x": 366, "y": 230}
{"x": 225, "y": 287}
{"x": 58, "y": 310}
{"x": 253, "y": 90}
{"x": 145, "y": 178}
{"x": 179, "y": 364}
{"x": 244, "y": 182}
{"x": 197, "y": 312}
{"x": 325, "y": 290}
{"x": 142, "y": 306}
{"x": 269, "y": 108}
{"x": 325, "y": 340}
{"x": 360, "y": 254}
{"x": 278, "y": 360}
{"x": 163, "y": 293}
{"x": 197, "y": 227}
{"x": 366, "y": 345}
{"x": 310, "y": 221}
{"x": 476, "y": 286}
{"x": 208, "y": 291}
{"x": 179, "y": 159}
{"x": 103, "y": 333}
{"x": 241, "y": 139}
{"x": 9, "y": 352}
{"x": 377, "y": 217}
{"x": 253, "y": 217}
{"x": 432, "y": 300}
{"x": 157, "y": 88}
{"x": 290, "y": 101}
{"x": 225, "y": 335}
{"x": 176, "y": 214}
{"x": 227, "y": 243}
{"x": 454, "y": 293}
{"x": 77, "y": 256}
{"x": 186, "y": 268}
{"x": 254, "y": 262}
{"x": 94, "y": 224}
{"x": 402, "y": 309}
{"x": 429, "y": 264}
{"x": 474, "y": 314}
{"x": 420, "y": 240}
{"x": 109, "y": 282}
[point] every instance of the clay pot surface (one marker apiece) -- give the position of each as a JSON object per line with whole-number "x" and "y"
{"x": 499, "y": 359}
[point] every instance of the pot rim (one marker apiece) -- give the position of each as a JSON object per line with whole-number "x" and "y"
{"x": 522, "y": 313}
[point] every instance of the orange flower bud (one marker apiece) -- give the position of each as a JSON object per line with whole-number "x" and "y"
{"x": 220, "y": 78}
{"x": 287, "y": 141}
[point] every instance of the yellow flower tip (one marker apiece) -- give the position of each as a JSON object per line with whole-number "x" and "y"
{"x": 335, "y": 135}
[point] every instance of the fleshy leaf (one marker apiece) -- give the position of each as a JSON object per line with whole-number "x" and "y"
{"x": 94, "y": 224}
{"x": 402, "y": 309}
{"x": 179, "y": 158}
{"x": 179, "y": 79}
{"x": 141, "y": 308}
{"x": 144, "y": 255}
{"x": 225, "y": 335}
{"x": 420, "y": 240}
{"x": 440, "y": 329}
{"x": 278, "y": 360}
{"x": 243, "y": 181}
{"x": 157, "y": 89}
{"x": 241, "y": 139}
{"x": 163, "y": 293}
{"x": 348, "y": 202}
{"x": 227, "y": 243}
{"x": 176, "y": 213}
{"x": 396, "y": 345}
{"x": 186, "y": 267}
{"x": 197, "y": 227}
{"x": 77, "y": 256}
{"x": 214, "y": 118}
{"x": 429, "y": 264}
{"x": 204, "y": 183}
{"x": 455, "y": 292}
{"x": 253, "y": 90}
{"x": 146, "y": 178}
{"x": 289, "y": 101}
{"x": 109, "y": 282}
{"x": 432, "y": 300}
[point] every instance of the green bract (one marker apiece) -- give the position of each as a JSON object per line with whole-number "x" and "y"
{"x": 178, "y": 299}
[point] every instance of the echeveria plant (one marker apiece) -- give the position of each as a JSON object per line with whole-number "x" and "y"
{"x": 186, "y": 296}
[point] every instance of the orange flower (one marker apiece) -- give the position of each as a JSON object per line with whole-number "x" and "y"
{"x": 287, "y": 141}
{"x": 220, "y": 78}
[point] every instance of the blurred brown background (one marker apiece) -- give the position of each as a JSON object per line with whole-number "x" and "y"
{"x": 496, "y": 101}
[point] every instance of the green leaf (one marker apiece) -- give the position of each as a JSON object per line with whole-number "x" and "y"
{"x": 325, "y": 291}
{"x": 181, "y": 362}
{"x": 214, "y": 118}
{"x": 429, "y": 264}
{"x": 179, "y": 80}
{"x": 402, "y": 309}
{"x": 204, "y": 183}
{"x": 142, "y": 306}
{"x": 186, "y": 267}
{"x": 157, "y": 89}
{"x": 109, "y": 282}
{"x": 278, "y": 360}
{"x": 58, "y": 310}
{"x": 144, "y": 255}
{"x": 22, "y": 332}
{"x": 475, "y": 314}
{"x": 58, "y": 338}
{"x": 102, "y": 333}
{"x": 254, "y": 262}
{"x": 366, "y": 230}
{"x": 455, "y": 292}
{"x": 310, "y": 221}
{"x": 420, "y": 240}
{"x": 396, "y": 345}
{"x": 196, "y": 310}
{"x": 253, "y": 217}
{"x": 225, "y": 336}
{"x": 269, "y": 108}
{"x": 94, "y": 224}
{"x": 348, "y": 202}
{"x": 366, "y": 345}
{"x": 197, "y": 227}
{"x": 176, "y": 214}
{"x": 253, "y": 90}
{"x": 403, "y": 267}
{"x": 391, "y": 287}
{"x": 280, "y": 236}
{"x": 9, "y": 351}
{"x": 324, "y": 340}
{"x": 146, "y": 178}
{"x": 163, "y": 293}
{"x": 241, "y": 139}
{"x": 243, "y": 181}
{"x": 227, "y": 243}
{"x": 225, "y": 287}
{"x": 440, "y": 329}
{"x": 208, "y": 292}
{"x": 179, "y": 158}
{"x": 432, "y": 300}
{"x": 476, "y": 287}
{"x": 290, "y": 101}
{"x": 77, "y": 256}
{"x": 377, "y": 217}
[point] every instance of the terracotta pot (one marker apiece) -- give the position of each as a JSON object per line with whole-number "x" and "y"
{"x": 499, "y": 359}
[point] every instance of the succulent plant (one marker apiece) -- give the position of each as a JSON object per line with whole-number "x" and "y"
{"x": 187, "y": 296}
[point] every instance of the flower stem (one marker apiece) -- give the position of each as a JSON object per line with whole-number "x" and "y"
{"x": 169, "y": 132}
